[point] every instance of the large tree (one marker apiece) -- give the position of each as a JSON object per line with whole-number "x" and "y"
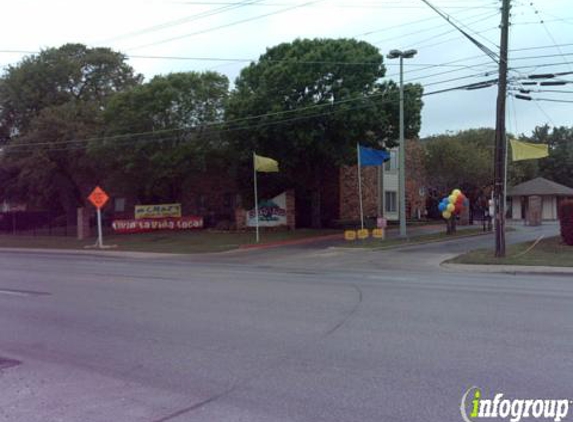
{"x": 47, "y": 101}
{"x": 559, "y": 165}
{"x": 161, "y": 132}
{"x": 307, "y": 104}
{"x": 57, "y": 76}
{"x": 465, "y": 160}
{"x": 460, "y": 160}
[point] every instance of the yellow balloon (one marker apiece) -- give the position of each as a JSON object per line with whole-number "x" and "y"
{"x": 446, "y": 215}
{"x": 456, "y": 192}
{"x": 452, "y": 198}
{"x": 451, "y": 207}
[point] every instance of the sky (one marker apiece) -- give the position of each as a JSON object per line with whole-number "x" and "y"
{"x": 233, "y": 32}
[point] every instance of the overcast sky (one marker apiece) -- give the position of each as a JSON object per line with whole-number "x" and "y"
{"x": 541, "y": 40}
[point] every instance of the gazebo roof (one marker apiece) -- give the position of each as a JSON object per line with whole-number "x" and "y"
{"x": 540, "y": 186}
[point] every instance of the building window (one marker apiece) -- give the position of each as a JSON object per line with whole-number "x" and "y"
{"x": 392, "y": 163}
{"x": 390, "y": 198}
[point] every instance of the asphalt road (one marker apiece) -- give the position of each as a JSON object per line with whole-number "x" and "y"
{"x": 292, "y": 334}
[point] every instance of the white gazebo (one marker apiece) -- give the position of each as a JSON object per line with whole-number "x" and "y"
{"x": 550, "y": 193}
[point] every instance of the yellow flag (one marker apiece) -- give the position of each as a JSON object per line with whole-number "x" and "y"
{"x": 527, "y": 151}
{"x": 265, "y": 164}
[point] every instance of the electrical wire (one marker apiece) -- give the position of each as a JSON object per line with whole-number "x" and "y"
{"x": 494, "y": 56}
{"x": 181, "y": 21}
{"x": 250, "y": 118}
{"x": 488, "y": 15}
{"x": 549, "y": 33}
{"x": 552, "y": 100}
{"x": 227, "y": 25}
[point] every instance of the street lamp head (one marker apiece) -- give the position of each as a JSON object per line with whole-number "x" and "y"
{"x": 394, "y": 54}
{"x": 408, "y": 54}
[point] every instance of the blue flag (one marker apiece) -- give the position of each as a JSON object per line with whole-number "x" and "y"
{"x": 372, "y": 157}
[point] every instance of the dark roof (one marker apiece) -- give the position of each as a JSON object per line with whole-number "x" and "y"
{"x": 540, "y": 186}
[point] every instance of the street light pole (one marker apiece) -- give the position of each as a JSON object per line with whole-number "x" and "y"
{"x": 402, "y": 173}
{"x": 408, "y": 54}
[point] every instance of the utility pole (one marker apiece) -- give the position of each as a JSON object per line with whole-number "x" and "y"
{"x": 500, "y": 141}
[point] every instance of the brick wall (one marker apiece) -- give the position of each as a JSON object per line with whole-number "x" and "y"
{"x": 291, "y": 209}
{"x": 349, "y": 202}
{"x": 415, "y": 187}
{"x": 212, "y": 195}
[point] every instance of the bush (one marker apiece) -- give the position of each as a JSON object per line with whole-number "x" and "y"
{"x": 566, "y": 220}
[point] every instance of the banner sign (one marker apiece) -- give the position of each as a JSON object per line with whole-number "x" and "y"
{"x": 272, "y": 213}
{"x": 8, "y": 207}
{"x": 157, "y": 211}
{"x": 153, "y": 224}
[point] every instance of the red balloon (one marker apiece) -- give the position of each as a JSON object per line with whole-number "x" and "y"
{"x": 460, "y": 200}
{"x": 459, "y": 208}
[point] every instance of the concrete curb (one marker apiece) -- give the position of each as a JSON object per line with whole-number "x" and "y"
{"x": 508, "y": 269}
{"x": 94, "y": 253}
{"x": 301, "y": 241}
{"x": 409, "y": 244}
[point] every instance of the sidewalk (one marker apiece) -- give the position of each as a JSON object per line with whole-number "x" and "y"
{"x": 413, "y": 231}
{"x": 507, "y": 269}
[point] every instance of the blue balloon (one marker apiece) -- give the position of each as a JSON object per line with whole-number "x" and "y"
{"x": 442, "y": 207}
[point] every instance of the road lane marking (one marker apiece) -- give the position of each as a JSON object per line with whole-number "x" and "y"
{"x": 21, "y": 293}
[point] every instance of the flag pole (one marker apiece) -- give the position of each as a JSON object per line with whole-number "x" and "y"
{"x": 256, "y": 198}
{"x": 360, "y": 186}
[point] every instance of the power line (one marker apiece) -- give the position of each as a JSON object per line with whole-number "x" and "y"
{"x": 494, "y": 56}
{"x": 181, "y": 21}
{"x": 373, "y": 5}
{"x": 401, "y": 36}
{"x": 552, "y": 100}
{"x": 427, "y": 46}
{"x": 314, "y": 62}
{"x": 250, "y": 118}
{"x": 541, "y": 47}
{"x": 544, "y": 112}
{"x": 548, "y": 32}
{"x": 216, "y": 28}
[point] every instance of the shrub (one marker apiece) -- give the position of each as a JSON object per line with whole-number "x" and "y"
{"x": 566, "y": 221}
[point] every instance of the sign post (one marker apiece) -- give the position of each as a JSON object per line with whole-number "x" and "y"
{"x": 99, "y": 198}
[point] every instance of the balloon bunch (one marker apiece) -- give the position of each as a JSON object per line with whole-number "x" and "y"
{"x": 453, "y": 204}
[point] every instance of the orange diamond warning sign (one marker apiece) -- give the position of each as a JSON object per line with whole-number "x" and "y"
{"x": 98, "y": 197}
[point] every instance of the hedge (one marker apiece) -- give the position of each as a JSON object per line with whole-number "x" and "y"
{"x": 566, "y": 221}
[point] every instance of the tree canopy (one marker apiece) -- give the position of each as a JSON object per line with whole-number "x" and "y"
{"x": 57, "y": 76}
{"x": 307, "y": 104}
{"x": 47, "y": 101}
{"x": 170, "y": 125}
{"x": 462, "y": 160}
{"x": 559, "y": 165}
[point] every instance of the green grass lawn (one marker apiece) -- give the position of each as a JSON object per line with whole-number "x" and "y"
{"x": 430, "y": 237}
{"x": 164, "y": 242}
{"x": 551, "y": 252}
